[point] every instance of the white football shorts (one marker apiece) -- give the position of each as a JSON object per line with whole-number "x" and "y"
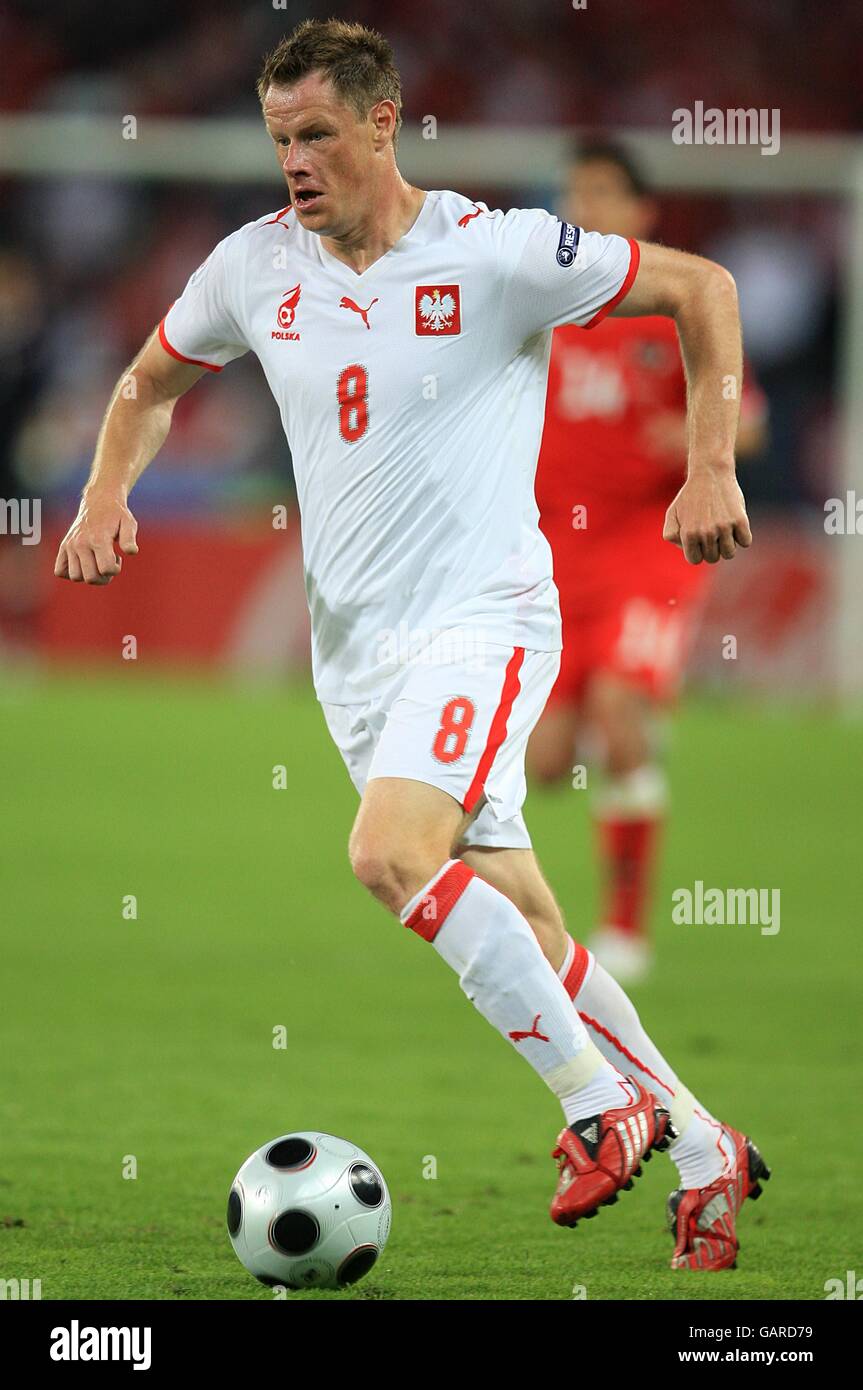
{"x": 460, "y": 725}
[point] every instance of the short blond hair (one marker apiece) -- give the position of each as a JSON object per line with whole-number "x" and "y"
{"x": 359, "y": 63}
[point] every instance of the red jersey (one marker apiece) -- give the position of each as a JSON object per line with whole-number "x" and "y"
{"x": 606, "y": 388}
{"x": 603, "y": 388}
{"x": 629, "y": 600}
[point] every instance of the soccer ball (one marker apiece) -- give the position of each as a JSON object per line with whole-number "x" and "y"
{"x": 309, "y": 1210}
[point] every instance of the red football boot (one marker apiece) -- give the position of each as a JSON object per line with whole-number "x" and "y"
{"x": 702, "y": 1220}
{"x": 599, "y": 1156}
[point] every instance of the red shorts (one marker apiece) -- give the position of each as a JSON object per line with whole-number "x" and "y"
{"x": 630, "y": 605}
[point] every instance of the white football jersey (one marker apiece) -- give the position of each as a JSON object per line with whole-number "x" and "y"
{"x": 412, "y": 397}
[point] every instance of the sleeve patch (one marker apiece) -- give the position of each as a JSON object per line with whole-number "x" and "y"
{"x": 567, "y": 246}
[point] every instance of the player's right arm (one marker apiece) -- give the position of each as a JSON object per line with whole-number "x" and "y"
{"x": 200, "y": 332}
{"x": 135, "y": 427}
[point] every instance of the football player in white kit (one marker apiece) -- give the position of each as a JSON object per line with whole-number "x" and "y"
{"x": 405, "y": 336}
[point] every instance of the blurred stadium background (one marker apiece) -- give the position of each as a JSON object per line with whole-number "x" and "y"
{"x": 99, "y": 232}
{"x": 153, "y": 776}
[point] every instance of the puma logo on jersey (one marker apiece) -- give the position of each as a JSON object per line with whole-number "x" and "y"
{"x": 469, "y": 216}
{"x": 518, "y": 1036}
{"x": 286, "y": 314}
{"x": 438, "y": 310}
{"x": 345, "y": 303}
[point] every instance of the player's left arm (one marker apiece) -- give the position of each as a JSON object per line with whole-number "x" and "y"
{"x": 708, "y": 516}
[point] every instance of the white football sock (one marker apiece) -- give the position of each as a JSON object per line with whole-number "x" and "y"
{"x": 703, "y": 1149}
{"x": 482, "y": 935}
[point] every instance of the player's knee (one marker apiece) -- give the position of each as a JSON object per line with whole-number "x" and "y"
{"x": 625, "y": 739}
{"x": 371, "y": 869}
{"x": 627, "y": 747}
{"x": 624, "y": 755}
{"x": 391, "y": 875}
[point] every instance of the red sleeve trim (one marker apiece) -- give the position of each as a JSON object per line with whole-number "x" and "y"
{"x": 634, "y": 258}
{"x": 192, "y": 361}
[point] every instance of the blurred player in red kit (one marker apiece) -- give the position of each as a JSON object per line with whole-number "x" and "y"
{"x": 613, "y": 456}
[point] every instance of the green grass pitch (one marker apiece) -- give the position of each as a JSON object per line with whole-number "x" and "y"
{"x": 153, "y": 1037}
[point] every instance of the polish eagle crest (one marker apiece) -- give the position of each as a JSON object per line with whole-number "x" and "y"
{"x": 437, "y": 311}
